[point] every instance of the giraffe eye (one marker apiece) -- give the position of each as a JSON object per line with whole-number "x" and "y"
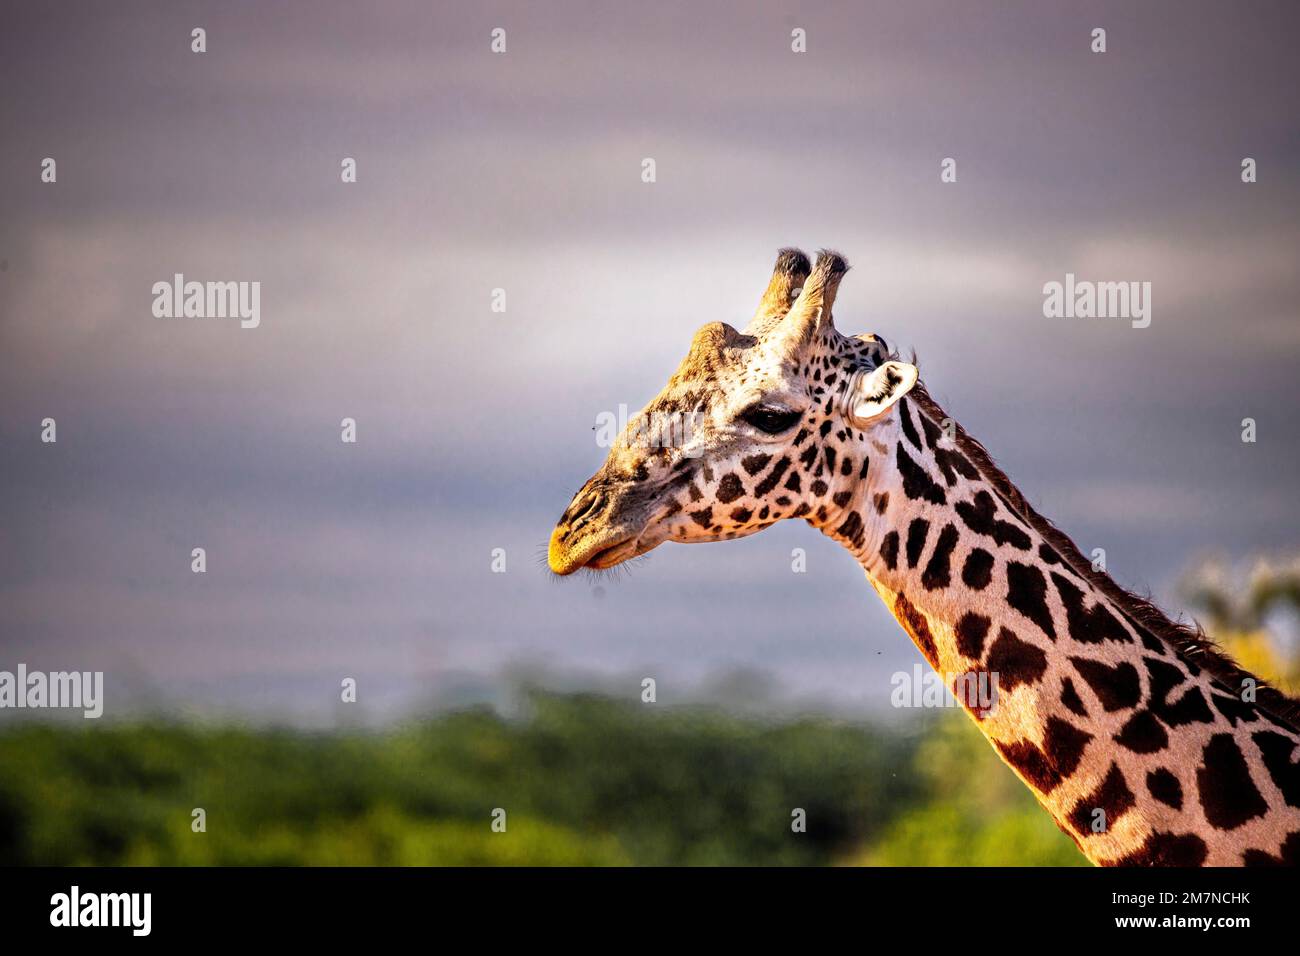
{"x": 767, "y": 418}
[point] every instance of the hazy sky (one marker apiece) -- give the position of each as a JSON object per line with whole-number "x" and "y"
{"x": 522, "y": 171}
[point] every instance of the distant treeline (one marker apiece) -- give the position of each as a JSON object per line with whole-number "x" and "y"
{"x": 583, "y": 779}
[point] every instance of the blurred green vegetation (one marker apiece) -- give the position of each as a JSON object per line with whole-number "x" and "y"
{"x": 976, "y": 811}
{"x": 584, "y": 779}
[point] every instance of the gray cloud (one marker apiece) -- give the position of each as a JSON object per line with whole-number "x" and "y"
{"x": 478, "y": 171}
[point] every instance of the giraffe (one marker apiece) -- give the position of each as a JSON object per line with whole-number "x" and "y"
{"x": 1144, "y": 743}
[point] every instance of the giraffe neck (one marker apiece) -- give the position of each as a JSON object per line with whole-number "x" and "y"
{"x": 1138, "y": 753}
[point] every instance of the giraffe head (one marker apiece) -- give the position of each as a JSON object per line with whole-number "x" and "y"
{"x": 774, "y": 422}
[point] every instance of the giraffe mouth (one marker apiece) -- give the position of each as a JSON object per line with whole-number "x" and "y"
{"x": 599, "y": 554}
{"x": 631, "y": 546}
{"x": 601, "y": 544}
{"x": 605, "y": 552}
{"x": 615, "y": 554}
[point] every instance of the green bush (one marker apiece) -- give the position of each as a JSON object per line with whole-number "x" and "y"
{"x": 584, "y": 780}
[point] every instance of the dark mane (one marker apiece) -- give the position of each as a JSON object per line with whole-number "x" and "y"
{"x": 1187, "y": 641}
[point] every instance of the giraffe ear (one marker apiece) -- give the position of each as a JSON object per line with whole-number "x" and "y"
{"x": 873, "y": 393}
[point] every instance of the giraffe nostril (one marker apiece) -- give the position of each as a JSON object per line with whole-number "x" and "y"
{"x": 590, "y": 508}
{"x": 591, "y": 500}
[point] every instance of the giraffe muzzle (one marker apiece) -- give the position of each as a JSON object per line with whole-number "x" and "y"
{"x": 604, "y": 525}
{"x": 598, "y": 551}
